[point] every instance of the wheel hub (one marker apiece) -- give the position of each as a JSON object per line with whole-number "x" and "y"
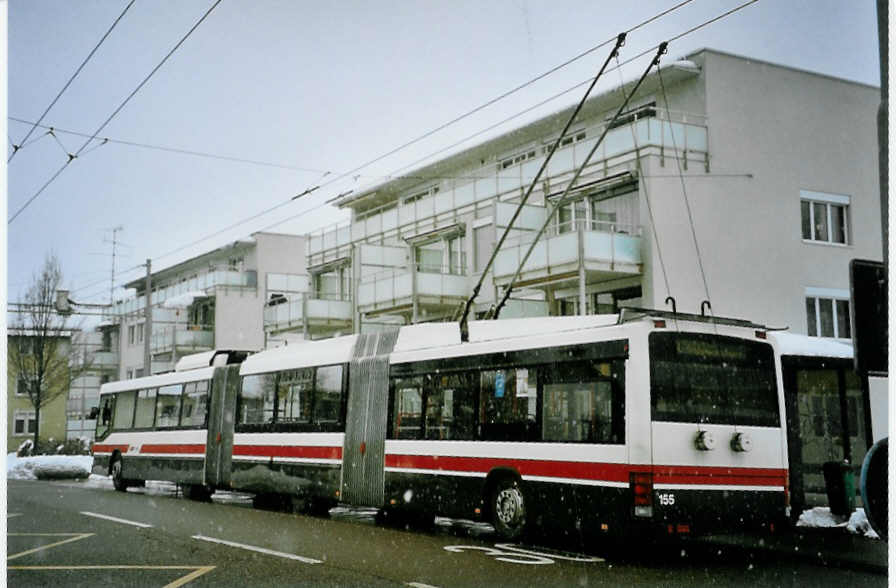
{"x": 509, "y": 505}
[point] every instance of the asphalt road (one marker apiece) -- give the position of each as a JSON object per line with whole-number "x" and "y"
{"x": 61, "y": 534}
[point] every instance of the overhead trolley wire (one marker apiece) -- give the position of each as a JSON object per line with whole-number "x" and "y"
{"x": 16, "y": 148}
{"x": 74, "y": 156}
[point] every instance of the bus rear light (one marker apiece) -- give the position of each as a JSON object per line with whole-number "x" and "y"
{"x": 761, "y": 335}
{"x": 642, "y": 493}
{"x": 682, "y": 529}
{"x": 659, "y": 324}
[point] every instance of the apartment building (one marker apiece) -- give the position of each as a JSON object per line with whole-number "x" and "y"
{"x": 727, "y": 179}
{"x": 215, "y": 300}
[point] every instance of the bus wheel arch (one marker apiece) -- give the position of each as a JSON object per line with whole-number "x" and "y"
{"x": 505, "y": 502}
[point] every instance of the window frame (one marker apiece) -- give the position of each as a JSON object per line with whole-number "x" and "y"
{"x": 837, "y": 298}
{"x": 828, "y": 201}
{"x": 26, "y": 417}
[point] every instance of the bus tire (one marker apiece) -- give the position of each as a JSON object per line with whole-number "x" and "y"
{"x": 198, "y": 492}
{"x": 507, "y": 506}
{"x": 118, "y": 480}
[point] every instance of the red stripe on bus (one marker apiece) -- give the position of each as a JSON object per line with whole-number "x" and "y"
{"x": 100, "y": 448}
{"x": 308, "y": 452}
{"x": 608, "y": 472}
{"x": 172, "y": 448}
{"x": 719, "y": 475}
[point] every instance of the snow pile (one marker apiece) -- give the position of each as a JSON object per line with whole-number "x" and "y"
{"x": 48, "y": 467}
{"x": 858, "y": 524}
{"x": 820, "y": 517}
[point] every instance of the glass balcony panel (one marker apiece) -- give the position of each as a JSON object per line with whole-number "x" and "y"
{"x": 696, "y": 138}
{"x": 561, "y": 162}
{"x": 463, "y": 194}
{"x": 655, "y": 131}
{"x": 358, "y": 229}
{"x": 642, "y": 132}
{"x": 529, "y": 169}
{"x": 486, "y": 187}
{"x": 390, "y": 219}
{"x": 443, "y": 202}
{"x": 344, "y": 235}
{"x": 406, "y": 214}
{"x": 619, "y": 140}
{"x": 673, "y": 135}
{"x": 509, "y": 179}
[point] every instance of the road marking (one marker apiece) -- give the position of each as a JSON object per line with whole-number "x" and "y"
{"x": 259, "y": 549}
{"x": 197, "y": 570}
{"x": 13, "y": 514}
{"x": 71, "y": 537}
{"x": 510, "y": 553}
{"x": 420, "y": 585}
{"x": 117, "y": 520}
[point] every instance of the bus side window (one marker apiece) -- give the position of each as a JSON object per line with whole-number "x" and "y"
{"x": 450, "y": 407}
{"x": 256, "y": 399}
{"x": 584, "y": 402}
{"x": 294, "y": 390}
{"x": 508, "y": 403}
{"x": 123, "y": 411}
{"x": 328, "y": 398}
{"x": 408, "y": 408}
{"x": 146, "y": 409}
{"x": 168, "y": 405}
{"x": 195, "y": 403}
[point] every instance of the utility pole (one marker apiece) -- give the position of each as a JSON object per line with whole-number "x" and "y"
{"x": 147, "y": 326}
{"x": 112, "y": 278}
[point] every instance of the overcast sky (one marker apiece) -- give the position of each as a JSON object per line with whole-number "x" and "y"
{"x": 313, "y": 87}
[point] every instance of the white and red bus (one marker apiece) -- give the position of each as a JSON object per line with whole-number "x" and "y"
{"x": 609, "y": 423}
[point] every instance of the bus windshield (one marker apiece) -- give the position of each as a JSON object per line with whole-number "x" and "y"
{"x": 700, "y": 378}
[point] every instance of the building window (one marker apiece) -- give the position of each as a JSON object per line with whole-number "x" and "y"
{"x": 825, "y": 217}
{"x": 828, "y": 317}
{"x": 131, "y": 335}
{"x": 21, "y": 386}
{"x": 140, "y": 333}
{"x": 24, "y": 422}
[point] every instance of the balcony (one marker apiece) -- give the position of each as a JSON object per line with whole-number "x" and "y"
{"x": 106, "y": 360}
{"x": 203, "y": 282}
{"x": 667, "y": 134}
{"x": 609, "y": 250}
{"x": 182, "y": 339}
{"x": 391, "y": 291}
{"x": 312, "y": 313}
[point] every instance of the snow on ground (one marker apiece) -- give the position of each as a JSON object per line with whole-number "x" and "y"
{"x": 821, "y": 517}
{"x": 48, "y": 467}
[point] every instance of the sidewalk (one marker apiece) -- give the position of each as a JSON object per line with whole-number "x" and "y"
{"x": 834, "y": 547}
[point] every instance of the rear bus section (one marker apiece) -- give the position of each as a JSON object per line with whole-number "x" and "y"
{"x": 718, "y": 446}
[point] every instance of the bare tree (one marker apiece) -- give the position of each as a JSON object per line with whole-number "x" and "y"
{"x": 40, "y": 344}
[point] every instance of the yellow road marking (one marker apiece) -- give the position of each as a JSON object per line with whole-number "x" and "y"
{"x": 71, "y": 537}
{"x": 197, "y": 570}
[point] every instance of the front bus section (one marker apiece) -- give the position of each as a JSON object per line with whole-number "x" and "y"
{"x": 718, "y": 446}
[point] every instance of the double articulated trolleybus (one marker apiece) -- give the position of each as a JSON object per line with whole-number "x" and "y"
{"x": 607, "y": 423}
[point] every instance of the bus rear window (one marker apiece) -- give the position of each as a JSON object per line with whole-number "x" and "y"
{"x": 701, "y": 378}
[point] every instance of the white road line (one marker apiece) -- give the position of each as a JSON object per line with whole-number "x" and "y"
{"x": 13, "y": 514}
{"x": 117, "y": 520}
{"x": 259, "y": 549}
{"x": 420, "y": 585}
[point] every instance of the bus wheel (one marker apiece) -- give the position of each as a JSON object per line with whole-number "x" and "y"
{"x": 118, "y": 481}
{"x": 508, "y": 508}
{"x": 198, "y": 492}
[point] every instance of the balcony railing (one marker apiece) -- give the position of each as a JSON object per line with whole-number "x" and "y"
{"x": 394, "y": 288}
{"x": 685, "y": 133}
{"x": 199, "y": 283}
{"x": 182, "y": 337}
{"x": 608, "y": 247}
{"x": 311, "y": 309}
{"x": 105, "y": 360}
